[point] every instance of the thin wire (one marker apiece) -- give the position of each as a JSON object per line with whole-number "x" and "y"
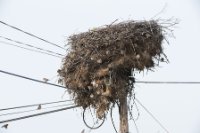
{"x": 144, "y": 82}
{"x": 41, "y": 49}
{"x": 161, "y": 125}
{"x": 38, "y": 114}
{"x": 92, "y": 116}
{"x": 30, "y": 34}
{"x": 167, "y": 82}
{"x": 33, "y": 50}
{"x": 111, "y": 117}
{"x": 134, "y": 120}
{"x": 94, "y": 123}
{"x": 130, "y": 108}
{"x": 138, "y": 112}
{"x": 31, "y": 79}
{"x": 32, "y": 110}
{"x": 32, "y": 105}
{"x": 136, "y": 127}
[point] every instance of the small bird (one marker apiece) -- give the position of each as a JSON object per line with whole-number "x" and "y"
{"x": 5, "y": 126}
{"x": 45, "y": 80}
{"x": 39, "y": 107}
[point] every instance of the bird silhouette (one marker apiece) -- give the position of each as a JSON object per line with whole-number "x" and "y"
{"x": 45, "y": 80}
{"x": 5, "y": 126}
{"x": 39, "y": 107}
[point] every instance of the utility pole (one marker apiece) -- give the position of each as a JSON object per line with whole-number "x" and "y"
{"x": 123, "y": 114}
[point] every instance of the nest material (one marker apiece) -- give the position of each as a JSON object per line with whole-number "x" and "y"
{"x": 97, "y": 69}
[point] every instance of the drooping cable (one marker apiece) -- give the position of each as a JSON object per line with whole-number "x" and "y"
{"x": 32, "y": 35}
{"x": 32, "y": 105}
{"x": 111, "y": 117}
{"x": 31, "y": 46}
{"x": 33, "y": 50}
{"x": 167, "y": 82}
{"x": 155, "y": 119}
{"x": 31, "y": 79}
{"x": 92, "y": 127}
{"x": 33, "y": 110}
{"x": 38, "y": 114}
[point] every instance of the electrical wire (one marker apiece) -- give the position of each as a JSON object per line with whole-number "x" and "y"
{"x": 143, "y": 82}
{"x": 32, "y": 35}
{"x": 33, "y": 50}
{"x": 130, "y": 108}
{"x": 136, "y": 127}
{"x": 29, "y": 45}
{"x": 38, "y": 114}
{"x": 156, "y": 120}
{"x": 32, "y": 105}
{"x": 111, "y": 117}
{"x": 32, "y": 110}
{"x": 92, "y": 127}
{"x": 167, "y": 82}
{"x": 31, "y": 79}
{"x": 134, "y": 120}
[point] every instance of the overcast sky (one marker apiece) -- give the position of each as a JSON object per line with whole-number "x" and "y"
{"x": 176, "y": 106}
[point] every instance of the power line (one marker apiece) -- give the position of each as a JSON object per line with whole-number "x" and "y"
{"x": 30, "y": 34}
{"x": 167, "y": 82}
{"x": 41, "y": 49}
{"x": 38, "y": 114}
{"x": 32, "y": 105}
{"x": 161, "y": 125}
{"x": 29, "y": 49}
{"x": 32, "y": 110}
{"x": 31, "y": 79}
{"x": 112, "y": 121}
{"x": 93, "y": 127}
{"x": 143, "y": 82}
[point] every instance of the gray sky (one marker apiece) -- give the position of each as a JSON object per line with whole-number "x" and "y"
{"x": 176, "y": 106}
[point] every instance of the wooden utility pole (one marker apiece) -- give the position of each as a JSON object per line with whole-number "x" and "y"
{"x": 123, "y": 114}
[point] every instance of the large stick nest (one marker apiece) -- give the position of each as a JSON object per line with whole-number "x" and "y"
{"x": 97, "y": 69}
